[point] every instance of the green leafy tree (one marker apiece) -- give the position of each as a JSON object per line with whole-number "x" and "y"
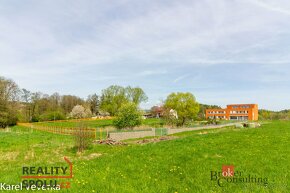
{"x": 264, "y": 114}
{"x": 202, "y": 108}
{"x": 136, "y": 95}
{"x": 185, "y": 106}
{"x": 129, "y": 116}
{"x": 114, "y": 97}
{"x": 9, "y": 94}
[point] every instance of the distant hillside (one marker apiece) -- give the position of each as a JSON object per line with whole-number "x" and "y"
{"x": 274, "y": 115}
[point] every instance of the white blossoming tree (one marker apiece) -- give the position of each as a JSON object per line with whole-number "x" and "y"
{"x": 79, "y": 112}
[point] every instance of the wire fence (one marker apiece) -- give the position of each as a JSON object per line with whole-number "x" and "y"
{"x": 99, "y": 133}
{"x": 112, "y": 133}
{"x": 87, "y": 132}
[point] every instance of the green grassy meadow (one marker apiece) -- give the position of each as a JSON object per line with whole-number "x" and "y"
{"x": 183, "y": 164}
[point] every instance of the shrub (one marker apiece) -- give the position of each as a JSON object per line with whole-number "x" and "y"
{"x": 129, "y": 116}
{"x": 169, "y": 118}
{"x": 82, "y": 137}
{"x": 7, "y": 118}
{"x": 50, "y": 116}
{"x": 212, "y": 122}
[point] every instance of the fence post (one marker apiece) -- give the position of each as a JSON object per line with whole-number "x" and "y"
{"x": 107, "y": 133}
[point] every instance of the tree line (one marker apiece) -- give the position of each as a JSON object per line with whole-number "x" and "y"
{"x": 18, "y": 104}
{"x": 22, "y": 105}
{"x": 274, "y": 115}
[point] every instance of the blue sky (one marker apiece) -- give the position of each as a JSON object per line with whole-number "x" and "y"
{"x": 226, "y": 51}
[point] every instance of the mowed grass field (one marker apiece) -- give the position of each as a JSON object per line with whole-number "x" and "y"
{"x": 183, "y": 164}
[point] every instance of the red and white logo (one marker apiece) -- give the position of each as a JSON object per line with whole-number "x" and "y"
{"x": 228, "y": 171}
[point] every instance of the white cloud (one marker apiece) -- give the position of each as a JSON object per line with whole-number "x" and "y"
{"x": 277, "y": 6}
{"x": 141, "y": 42}
{"x": 180, "y": 78}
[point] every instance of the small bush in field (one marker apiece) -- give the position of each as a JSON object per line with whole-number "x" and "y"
{"x": 129, "y": 116}
{"x": 82, "y": 137}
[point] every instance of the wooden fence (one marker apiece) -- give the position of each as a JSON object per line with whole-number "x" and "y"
{"x": 87, "y": 132}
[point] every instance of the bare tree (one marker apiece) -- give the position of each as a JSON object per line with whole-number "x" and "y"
{"x": 94, "y": 103}
{"x": 82, "y": 137}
